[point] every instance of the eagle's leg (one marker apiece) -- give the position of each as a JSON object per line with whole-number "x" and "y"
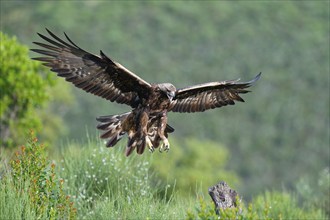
{"x": 161, "y": 129}
{"x": 142, "y": 131}
{"x": 130, "y": 147}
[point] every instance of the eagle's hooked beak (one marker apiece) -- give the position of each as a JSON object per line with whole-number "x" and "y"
{"x": 170, "y": 95}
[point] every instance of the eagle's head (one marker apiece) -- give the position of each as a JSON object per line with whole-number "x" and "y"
{"x": 168, "y": 89}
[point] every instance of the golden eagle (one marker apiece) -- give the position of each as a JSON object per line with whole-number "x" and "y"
{"x": 146, "y": 124}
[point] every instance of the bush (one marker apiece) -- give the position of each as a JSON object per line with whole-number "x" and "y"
{"x": 191, "y": 159}
{"x": 281, "y": 205}
{"x": 25, "y": 89}
{"x": 271, "y": 205}
{"x": 22, "y": 91}
{"x": 32, "y": 181}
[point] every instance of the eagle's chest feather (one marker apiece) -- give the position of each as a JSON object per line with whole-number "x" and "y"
{"x": 158, "y": 102}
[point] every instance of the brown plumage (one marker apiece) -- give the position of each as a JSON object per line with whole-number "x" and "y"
{"x": 146, "y": 124}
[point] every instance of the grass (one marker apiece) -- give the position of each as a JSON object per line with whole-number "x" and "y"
{"x": 14, "y": 205}
{"x": 92, "y": 182}
{"x": 31, "y": 189}
{"x": 104, "y": 184}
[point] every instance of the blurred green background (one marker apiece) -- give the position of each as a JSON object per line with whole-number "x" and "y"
{"x": 278, "y": 137}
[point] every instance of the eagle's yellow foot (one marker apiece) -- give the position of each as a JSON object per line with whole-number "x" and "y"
{"x": 165, "y": 146}
{"x": 151, "y": 148}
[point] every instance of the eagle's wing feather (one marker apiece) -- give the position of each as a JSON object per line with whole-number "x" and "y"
{"x": 98, "y": 75}
{"x": 199, "y": 98}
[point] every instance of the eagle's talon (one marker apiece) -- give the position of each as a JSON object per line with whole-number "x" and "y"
{"x": 149, "y": 143}
{"x": 151, "y": 149}
{"x": 166, "y": 145}
{"x": 167, "y": 148}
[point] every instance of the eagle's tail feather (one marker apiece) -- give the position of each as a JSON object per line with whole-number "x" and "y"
{"x": 113, "y": 140}
{"x": 112, "y": 127}
{"x": 129, "y": 150}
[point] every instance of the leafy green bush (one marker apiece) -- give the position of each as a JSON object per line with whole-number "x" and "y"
{"x": 205, "y": 210}
{"x": 25, "y": 88}
{"x": 284, "y": 206}
{"x": 201, "y": 163}
{"x": 202, "y": 211}
{"x": 22, "y": 90}
{"x": 33, "y": 178}
{"x": 271, "y": 205}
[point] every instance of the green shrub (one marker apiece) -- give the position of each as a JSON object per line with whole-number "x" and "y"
{"x": 33, "y": 180}
{"x": 284, "y": 206}
{"x": 271, "y": 205}
{"x": 25, "y": 89}
{"x": 22, "y": 91}
{"x": 202, "y": 211}
{"x": 201, "y": 163}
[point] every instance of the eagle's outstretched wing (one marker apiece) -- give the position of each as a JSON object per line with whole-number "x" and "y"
{"x": 199, "y": 98}
{"x": 98, "y": 75}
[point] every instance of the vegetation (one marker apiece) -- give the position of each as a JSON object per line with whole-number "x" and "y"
{"x": 274, "y": 149}
{"x": 316, "y": 192}
{"x": 88, "y": 183}
{"x": 271, "y": 205}
{"x": 25, "y": 89}
{"x": 30, "y": 189}
{"x": 190, "y": 160}
{"x": 111, "y": 186}
{"x": 283, "y": 119}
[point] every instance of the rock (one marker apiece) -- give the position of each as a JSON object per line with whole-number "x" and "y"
{"x": 223, "y": 196}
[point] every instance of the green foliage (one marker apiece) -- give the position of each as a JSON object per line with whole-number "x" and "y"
{"x": 271, "y": 205}
{"x": 284, "y": 119}
{"x": 202, "y": 211}
{"x": 60, "y": 102}
{"x": 107, "y": 185}
{"x": 25, "y": 89}
{"x": 33, "y": 178}
{"x": 316, "y": 193}
{"x": 22, "y": 91}
{"x": 104, "y": 184}
{"x": 191, "y": 164}
{"x": 284, "y": 206}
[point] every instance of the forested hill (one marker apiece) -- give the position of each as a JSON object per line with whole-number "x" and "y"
{"x": 279, "y": 135}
